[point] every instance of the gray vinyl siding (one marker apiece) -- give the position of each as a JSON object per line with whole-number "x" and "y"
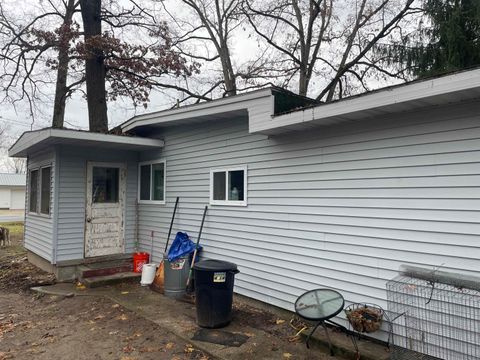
{"x": 72, "y": 192}
{"x": 340, "y": 207}
{"x": 39, "y": 228}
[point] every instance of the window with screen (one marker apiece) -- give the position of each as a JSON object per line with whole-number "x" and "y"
{"x": 151, "y": 182}
{"x": 45, "y": 190}
{"x": 33, "y": 192}
{"x": 228, "y": 186}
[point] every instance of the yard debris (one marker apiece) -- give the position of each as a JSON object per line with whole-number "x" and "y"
{"x": 115, "y": 306}
{"x": 122, "y": 317}
{"x": 124, "y": 292}
{"x": 279, "y": 321}
{"x": 169, "y": 345}
{"x": 287, "y": 355}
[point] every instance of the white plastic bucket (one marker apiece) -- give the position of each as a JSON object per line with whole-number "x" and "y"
{"x": 148, "y": 274}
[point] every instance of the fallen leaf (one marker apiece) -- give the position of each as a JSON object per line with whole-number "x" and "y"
{"x": 128, "y": 349}
{"x": 287, "y": 355}
{"x": 113, "y": 333}
{"x": 115, "y": 306}
{"x": 279, "y": 321}
{"x": 189, "y": 348}
{"x": 99, "y": 317}
{"x": 122, "y": 317}
{"x": 249, "y": 334}
{"x": 124, "y": 292}
{"x": 169, "y": 345}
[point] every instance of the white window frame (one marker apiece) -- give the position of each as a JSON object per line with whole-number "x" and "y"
{"x": 151, "y": 162}
{"x": 38, "y": 207}
{"x": 226, "y": 201}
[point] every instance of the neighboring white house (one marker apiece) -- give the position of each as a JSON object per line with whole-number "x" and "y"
{"x": 12, "y": 191}
{"x": 301, "y": 195}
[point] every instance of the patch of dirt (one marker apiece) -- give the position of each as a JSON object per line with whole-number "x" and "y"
{"x": 82, "y": 327}
{"x": 17, "y": 274}
{"x": 283, "y": 329}
{"x": 35, "y": 326}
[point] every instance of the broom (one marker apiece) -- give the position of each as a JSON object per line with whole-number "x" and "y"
{"x": 189, "y": 285}
{"x": 159, "y": 280}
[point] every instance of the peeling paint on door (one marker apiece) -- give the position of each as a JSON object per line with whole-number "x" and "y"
{"x": 105, "y": 208}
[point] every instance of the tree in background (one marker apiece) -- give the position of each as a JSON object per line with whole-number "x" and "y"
{"x": 328, "y": 39}
{"x": 449, "y": 39}
{"x": 112, "y": 63}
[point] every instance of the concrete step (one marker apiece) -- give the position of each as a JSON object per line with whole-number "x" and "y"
{"x": 98, "y": 281}
{"x": 104, "y": 268}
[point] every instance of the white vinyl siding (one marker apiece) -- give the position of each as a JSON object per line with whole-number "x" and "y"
{"x": 340, "y": 207}
{"x": 39, "y": 227}
{"x": 72, "y": 192}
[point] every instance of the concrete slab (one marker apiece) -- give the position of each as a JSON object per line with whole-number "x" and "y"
{"x": 179, "y": 318}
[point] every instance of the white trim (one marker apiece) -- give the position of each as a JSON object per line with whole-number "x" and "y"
{"x": 227, "y": 202}
{"x": 226, "y": 104}
{"x": 151, "y": 162}
{"x": 50, "y": 192}
{"x": 464, "y": 82}
{"x": 31, "y": 138}
{"x": 38, "y": 211}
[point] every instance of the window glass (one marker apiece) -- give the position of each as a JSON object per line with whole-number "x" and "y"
{"x": 158, "y": 181}
{"x": 45, "y": 191}
{"x": 105, "y": 185}
{"x": 33, "y": 191}
{"x": 236, "y": 185}
{"x": 145, "y": 182}
{"x": 219, "y": 184}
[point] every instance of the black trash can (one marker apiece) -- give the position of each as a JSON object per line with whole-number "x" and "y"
{"x": 214, "y": 292}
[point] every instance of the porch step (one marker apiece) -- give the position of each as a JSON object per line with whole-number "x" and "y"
{"x": 104, "y": 268}
{"x": 97, "y": 281}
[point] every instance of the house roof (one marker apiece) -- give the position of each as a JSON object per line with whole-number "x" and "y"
{"x": 279, "y": 100}
{"x": 32, "y": 141}
{"x": 450, "y": 88}
{"x": 12, "y": 179}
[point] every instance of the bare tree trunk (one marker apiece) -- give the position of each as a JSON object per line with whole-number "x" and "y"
{"x": 62, "y": 71}
{"x": 94, "y": 67}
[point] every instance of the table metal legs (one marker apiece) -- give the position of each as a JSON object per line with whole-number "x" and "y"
{"x": 326, "y": 333}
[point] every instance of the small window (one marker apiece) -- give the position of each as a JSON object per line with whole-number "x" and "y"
{"x": 105, "y": 185}
{"x": 152, "y": 182}
{"x": 228, "y": 186}
{"x": 33, "y": 192}
{"x": 45, "y": 190}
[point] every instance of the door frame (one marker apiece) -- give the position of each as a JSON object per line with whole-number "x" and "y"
{"x": 122, "y": 166}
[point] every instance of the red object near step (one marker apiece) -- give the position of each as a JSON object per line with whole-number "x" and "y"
{"x": 139, "y": 259}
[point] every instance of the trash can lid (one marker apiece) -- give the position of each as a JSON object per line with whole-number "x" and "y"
{"x": 215, "y": 265}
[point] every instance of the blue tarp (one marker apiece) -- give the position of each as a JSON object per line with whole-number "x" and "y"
{"x": 181, "y": 246}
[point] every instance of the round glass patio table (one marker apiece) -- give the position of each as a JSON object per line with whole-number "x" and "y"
{"x": 320, "y": 305}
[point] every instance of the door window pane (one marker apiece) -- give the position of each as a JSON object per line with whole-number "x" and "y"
{"x": 33, "y": 191}
{"x": 145, "y": 182}
{"x": 105, "y": 185}
{"x": 45, "y": 191}
{"x": 158, "y": 181}
{"x": 219, "y": 183}
{"x": 236, "y": 185}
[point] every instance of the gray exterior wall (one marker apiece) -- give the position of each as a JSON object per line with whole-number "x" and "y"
{"x": 72, "y": 192}
{"x": 340, "y": 207}
{"x": 39, "y": 229}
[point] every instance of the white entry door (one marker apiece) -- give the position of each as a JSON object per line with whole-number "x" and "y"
{"x": 104, "y": 223}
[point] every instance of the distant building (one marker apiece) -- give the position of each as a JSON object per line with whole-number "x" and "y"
{"x": 12, "y": 191}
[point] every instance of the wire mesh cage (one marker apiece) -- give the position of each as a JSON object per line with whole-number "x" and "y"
{"x": 437, "y": 320}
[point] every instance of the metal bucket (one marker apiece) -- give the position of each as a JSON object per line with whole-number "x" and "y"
{"x": 176, "y": 274}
